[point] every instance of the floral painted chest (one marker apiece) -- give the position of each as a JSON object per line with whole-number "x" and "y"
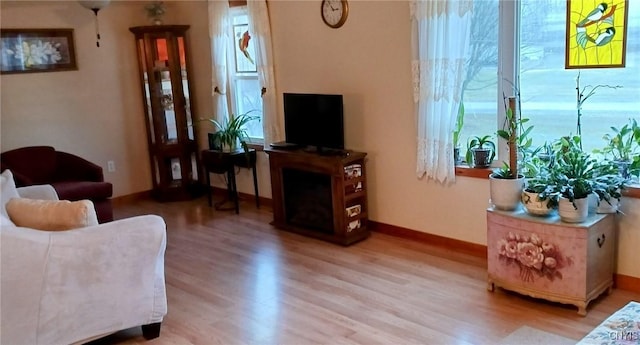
{"x": 543, "y": 257}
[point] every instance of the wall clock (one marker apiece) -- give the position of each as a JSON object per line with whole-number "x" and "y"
{"x": 334, "y": 12}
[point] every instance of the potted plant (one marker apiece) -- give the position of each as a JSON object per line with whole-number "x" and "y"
{"x": 505, "y": 191}
{"x": 456, "y": 134}
{"x": 155, "y": 11}
{"x": 539, "y": 196}
{"x": 572, "y": 174}
{"x": 506, "y": 183}
{"x": 623, "y": 148}
{"x": 230, "y": 133}
{"x": 480, "y": 151}
{"x": 608, "y": 184}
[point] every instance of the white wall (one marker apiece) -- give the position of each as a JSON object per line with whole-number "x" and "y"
{"x": 93, "y": 112}
{"x": 367, "y": 60}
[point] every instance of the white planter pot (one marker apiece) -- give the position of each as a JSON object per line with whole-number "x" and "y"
{"x": 569, "y": 214}
{"x": 506, "y": 193}
{"x": 535, "y": 206}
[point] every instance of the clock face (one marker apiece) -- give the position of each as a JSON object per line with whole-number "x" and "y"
{"x": 334, "y": 12}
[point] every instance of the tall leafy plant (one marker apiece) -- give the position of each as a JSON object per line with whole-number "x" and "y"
{"x": 515, "y": 132}
{"x": 456, "y": 133}
{"x": 582, "y": 95}
{"x": 458, "y": 127}
{"x": 231, "y": 131}
{"x": 623, "y": 147}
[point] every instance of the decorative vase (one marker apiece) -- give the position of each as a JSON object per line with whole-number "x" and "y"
{"x": 570, "y": 214}
{"x": 155, "y": 10}
{"x": 534, "y": 205}
{"x": 506, "y": 193}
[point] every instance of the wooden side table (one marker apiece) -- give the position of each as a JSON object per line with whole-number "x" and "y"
{"x": 219, "y": 162}
{"x": 543, "y": 257}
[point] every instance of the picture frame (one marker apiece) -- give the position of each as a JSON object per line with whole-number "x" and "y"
{"x": 596, "y": 33}
{"x": 37, "y": 50}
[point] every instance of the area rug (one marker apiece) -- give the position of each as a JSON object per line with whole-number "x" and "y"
{"x": 621, "y": 328}
{"x": 526, "y": 335}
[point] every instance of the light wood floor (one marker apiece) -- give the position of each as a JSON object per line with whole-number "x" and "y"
{"x": 234, "y": 279}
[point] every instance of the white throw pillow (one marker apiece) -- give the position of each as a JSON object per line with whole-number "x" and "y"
{"x": 52, "y": 215}
{"x": 7, "y": 191}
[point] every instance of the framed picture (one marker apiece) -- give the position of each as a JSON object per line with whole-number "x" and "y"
{"x": 36, "y": 50}
{"x": 596, "y": 34}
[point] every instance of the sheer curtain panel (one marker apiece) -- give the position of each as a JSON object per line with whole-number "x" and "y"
{"x": 272, "y": 122}
{"x": 219, "y": 24}
{"x": 440, "y": 35}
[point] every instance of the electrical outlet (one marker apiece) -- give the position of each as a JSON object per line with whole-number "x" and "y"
{"x": 111, "y": 166}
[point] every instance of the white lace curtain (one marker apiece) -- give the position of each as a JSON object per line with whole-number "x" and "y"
{"x": 440, "y": 35}
{"x": 272, "y": 122}
{"x": 219, "y": 24}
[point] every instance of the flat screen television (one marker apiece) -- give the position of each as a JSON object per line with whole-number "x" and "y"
{"x": 314, "y": 121}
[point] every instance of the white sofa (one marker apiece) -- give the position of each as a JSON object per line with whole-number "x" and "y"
{"x": 73, "y": 286}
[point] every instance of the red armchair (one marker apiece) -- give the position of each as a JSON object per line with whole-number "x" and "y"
{"x": 73, "y": 178}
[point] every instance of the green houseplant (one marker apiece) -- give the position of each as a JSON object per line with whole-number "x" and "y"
{"x": 506, "y": 183}
{"x": 608, "y": 184}
{"x": 623, "y": 147}
{"x": 480, "y": 151}
{"x": 539, "y": 196}
{"x": 514, "y": 131}
{"x": 516, "y": 135}
{"x": 572, "y": 175}
{"x": 456, "y": 134}
{"x": 505, "y": 191}
{"x": 230, "y": 132}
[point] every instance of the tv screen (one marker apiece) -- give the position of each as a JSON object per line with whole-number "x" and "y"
{"x": 314, "y": 120}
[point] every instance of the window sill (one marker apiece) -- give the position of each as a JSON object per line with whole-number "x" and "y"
{"x": 463, "y": 170}
{"x": 466, "y": 171}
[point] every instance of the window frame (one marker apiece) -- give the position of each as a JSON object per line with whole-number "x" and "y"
{"x": 508, "y": 64}
{"x": 238, "y": 8}
{"x": 508, "y": 67}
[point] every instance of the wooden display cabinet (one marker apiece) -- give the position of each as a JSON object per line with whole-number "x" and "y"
{"x": 543, "y": 257}
{"x": 322, "y": 196}
{"x": 166, "y": 92}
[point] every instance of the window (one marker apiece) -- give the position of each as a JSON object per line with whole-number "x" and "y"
{"x": 480, "y": 85}
{"x": 243, "y": 77}
{"x": 532, "y": 42}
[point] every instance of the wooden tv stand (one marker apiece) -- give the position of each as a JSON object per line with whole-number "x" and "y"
{"x": 317, "y": 195}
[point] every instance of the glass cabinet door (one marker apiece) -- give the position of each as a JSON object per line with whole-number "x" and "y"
{"x": 184, "y": 83}
{"x": 162, "y": 55}
{"x": 162, "y": 91}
